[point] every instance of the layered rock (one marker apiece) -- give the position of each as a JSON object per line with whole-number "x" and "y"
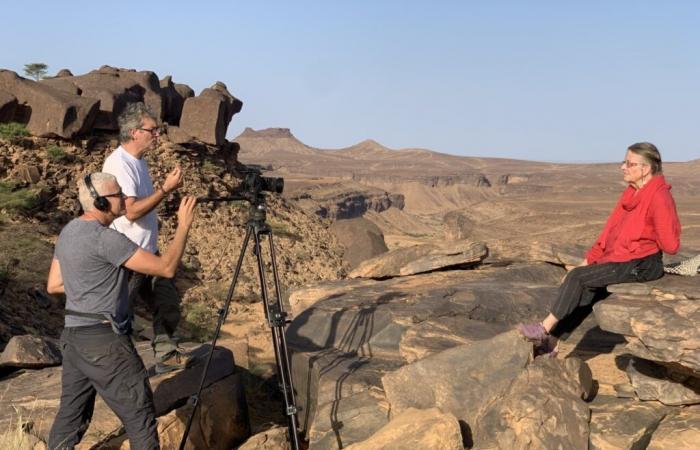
{"x": 421, "y": 258}
{"x": 664, "y": 331}
{"x": 49, "y": 112}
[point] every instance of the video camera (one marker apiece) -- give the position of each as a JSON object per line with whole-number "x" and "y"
{"x": 252, "y": 186}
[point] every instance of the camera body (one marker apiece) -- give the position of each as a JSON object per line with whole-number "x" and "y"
{"x": 254, "y": 182}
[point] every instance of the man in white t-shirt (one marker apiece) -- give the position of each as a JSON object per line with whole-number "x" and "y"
{"x": 138, "y": 133}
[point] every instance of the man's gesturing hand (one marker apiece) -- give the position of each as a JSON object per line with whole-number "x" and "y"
{"x": 173, "y": 180}
{"x": 185, "y": 214}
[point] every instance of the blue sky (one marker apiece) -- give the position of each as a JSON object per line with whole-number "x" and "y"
{"x": 536, "y": 80}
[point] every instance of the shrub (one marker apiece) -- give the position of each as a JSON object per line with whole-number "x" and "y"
{"x": 13, "y": 131}
{"x": 56, "y": 153}
{"x": 13, "y": 198}
{"x": 200, "y": 322}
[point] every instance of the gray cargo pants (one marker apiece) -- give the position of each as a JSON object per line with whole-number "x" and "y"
{"x": 163, "y": 301}
{"x": 97, "y": 360}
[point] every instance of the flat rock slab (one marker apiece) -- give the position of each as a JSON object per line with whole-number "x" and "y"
{"x": 678, "y": 431}
{"x": 665, "y": 331}
{"x": 28, "y": 351}
{"x": 623, "y": 423}
{"x": 416, "y": 429}
{"x": 652, "y": 381}
{"x": 420, "y": 259}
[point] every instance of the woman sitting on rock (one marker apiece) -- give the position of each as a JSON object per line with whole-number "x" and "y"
{"x": 643, "y": 224}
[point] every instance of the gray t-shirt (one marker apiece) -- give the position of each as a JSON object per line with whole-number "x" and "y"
{"x": 91, "y": 257}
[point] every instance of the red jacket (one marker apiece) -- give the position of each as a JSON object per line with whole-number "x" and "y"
{"x": 643, "y": 222}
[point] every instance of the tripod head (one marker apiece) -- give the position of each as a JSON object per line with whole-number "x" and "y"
{"x": 253, "y": 190}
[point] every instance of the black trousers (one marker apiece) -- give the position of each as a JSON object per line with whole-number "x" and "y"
{"x": 97, "y": 360}
{"x": 583, "y": 286}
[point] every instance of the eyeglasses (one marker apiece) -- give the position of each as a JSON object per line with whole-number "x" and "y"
{"x": 118, "y": 194}
{"x": 154, "y": 131}
{"x": 629, "y": 164}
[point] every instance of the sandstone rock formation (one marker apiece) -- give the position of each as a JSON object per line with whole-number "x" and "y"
{"x": 206, "y": 117}
{"x": 46, "y": 111}
{"x": 421, "y": 258}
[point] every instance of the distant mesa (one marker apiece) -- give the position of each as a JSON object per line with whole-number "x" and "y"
{"x": 267, "y": 133}
{"x": 67, "y": 105}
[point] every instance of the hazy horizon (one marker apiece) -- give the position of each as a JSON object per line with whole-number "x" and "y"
{"x": 538, "y": 81}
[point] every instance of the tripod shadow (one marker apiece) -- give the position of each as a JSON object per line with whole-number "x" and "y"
{"x": 348, "y": 352}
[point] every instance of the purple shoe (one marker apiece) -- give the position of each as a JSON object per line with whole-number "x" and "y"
{"x": 534, "y": 332}
{"x": 548, "y": 348}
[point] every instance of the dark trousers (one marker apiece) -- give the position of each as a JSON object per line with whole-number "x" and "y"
{"x": 97, "y": 360}
{"x": 163, "y": 301}
{"x": 585, "y": 285}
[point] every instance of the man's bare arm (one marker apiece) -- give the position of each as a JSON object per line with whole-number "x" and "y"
{"x": 166, "y": 264}
{"x": 139, "y": 207}
{"x": 54, "y": 285}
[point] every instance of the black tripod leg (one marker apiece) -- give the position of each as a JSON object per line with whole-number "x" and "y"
{"x": 276, "y": 319}
{"x": 222, "y": 317}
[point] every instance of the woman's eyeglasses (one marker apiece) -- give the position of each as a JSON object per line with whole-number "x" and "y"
{"x": 629, "y": 164}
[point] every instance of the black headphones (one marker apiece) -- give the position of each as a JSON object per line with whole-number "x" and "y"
{"x": 101, "y": 203}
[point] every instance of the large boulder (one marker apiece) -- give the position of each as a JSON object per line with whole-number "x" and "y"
{"x": 421, "y": 258}
{"x": 49, "y": 112}
{"x": 114, "y": 88}
{"x": 463, "y": 380}
{"x": 30, "y": 352}
{"x": 361, "y": 238}
{"x": 207, "y": 116}
{"x": 542, "y": 408}
{"x": 8, "y": 104}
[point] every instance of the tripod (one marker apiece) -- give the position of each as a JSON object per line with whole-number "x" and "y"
{"x": 274, "y": 314}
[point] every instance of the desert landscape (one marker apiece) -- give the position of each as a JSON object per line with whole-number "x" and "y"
{"x": 405, "y": 272}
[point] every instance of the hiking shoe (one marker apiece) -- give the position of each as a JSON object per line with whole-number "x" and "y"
{"x": 534, "y": 332}
{"x": 548, "y": 348}
{"x": 175, "y": 360}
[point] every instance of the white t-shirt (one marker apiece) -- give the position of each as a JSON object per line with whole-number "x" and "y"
{"x": 135, "y": 181}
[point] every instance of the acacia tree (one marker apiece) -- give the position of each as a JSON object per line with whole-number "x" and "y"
{"x": 36, "y": 70}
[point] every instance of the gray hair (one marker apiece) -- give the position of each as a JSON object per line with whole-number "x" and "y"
{"x": 98, "y": 181}
{"x": 131, "y": 118}
{"x": 650, "y": 153}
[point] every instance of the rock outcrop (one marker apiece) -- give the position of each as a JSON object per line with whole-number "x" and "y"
{"x": 206, "y": 116}
{"x": 421, "y": 258}
{"x": 49, "y": 112}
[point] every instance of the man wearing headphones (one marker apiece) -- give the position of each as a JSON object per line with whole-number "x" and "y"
{"x": 138, "y": 133}
{"x": 90, "y": 266}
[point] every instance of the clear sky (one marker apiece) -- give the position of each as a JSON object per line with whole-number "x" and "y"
{"x": 538, "y": 80}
